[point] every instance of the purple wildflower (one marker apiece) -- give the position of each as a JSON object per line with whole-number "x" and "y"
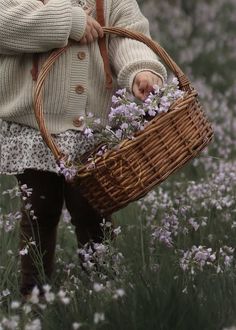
{"x": 88, "y": 132}
{"x": 69, "y": 171}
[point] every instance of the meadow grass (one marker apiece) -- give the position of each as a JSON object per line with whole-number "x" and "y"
{"x": 142, "y": 284}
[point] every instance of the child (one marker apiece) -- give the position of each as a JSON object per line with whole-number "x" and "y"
{"x": 76, "y": 86}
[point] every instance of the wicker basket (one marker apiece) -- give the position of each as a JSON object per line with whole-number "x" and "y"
{"x": 168, "y": 142}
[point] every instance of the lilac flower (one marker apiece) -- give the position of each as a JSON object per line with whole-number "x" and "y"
{"x": 128, "y": 116}
{"x": 119, "y": 133}
{"x": 152, "y": 113}
{"x": 69, "y": 171}
{"x": 102, "y": 151}
{"x": 197, "y": 258}
{"x": 26, "y": 192}
{"x": 194, "y": 224}
{"x": 114, "y": 99}
{"x": 164, "y": 236}
{"x": 121, "y": 92}
{"x": 175, "y": 81}
{"x": 124, "y": 126}
{"x": 226, "y": 254}
{"x": 88, "y": 132}
{"x": 97, "y": 121}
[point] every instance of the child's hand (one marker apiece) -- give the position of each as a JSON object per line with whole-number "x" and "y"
{"x": 143, "y": 84}
{"x": 93, "y": 29}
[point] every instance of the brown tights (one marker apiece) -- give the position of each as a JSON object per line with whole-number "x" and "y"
{"x": 48, "y": 195}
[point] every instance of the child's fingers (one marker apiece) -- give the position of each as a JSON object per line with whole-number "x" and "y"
{"x": 138, "y": 93}
{"x": 93, "y": 29}
{"x": 89, "y": 10}
{"x": 98, "y": 28}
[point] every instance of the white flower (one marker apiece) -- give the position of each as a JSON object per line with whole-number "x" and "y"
{"x": 175, "y": 81}
{"x": 88, "y": 264}
{"x": 42, "y": 306}
{"x": 27, "y": 308}
{"x": 97, "y": 287}
{"x": 124, "y": 126}
{"x": 98, "y": 317}
{"x": 6, "y": 293}
{"x": 61, "y": 294}
{"x": 49, "y": 296}
{"x": 65, "y": 300}
{"x": 34, "y": 325}
{"x": 194, "y": 224}
{"x": 117, "y": 231}
{"x": 34, "y": 298}
{"x": 76, "y": 325}
{"x": 24, "y": 251}
{"x": 88, "y": 132}
{"x": 185, "y": 290}
{"x": 46, "y": 287}
{"x": 108, "y": 224}
{"x": 11, "y": 323}
{"x": 100, "y": 248}
{"x": 15, "y": 304}
{"x": 119, "y": 293}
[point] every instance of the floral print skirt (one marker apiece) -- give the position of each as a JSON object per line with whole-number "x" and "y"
{"x": 22, "y": 147}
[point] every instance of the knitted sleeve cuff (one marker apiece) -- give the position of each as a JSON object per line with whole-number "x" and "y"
{"x": 127, "y": 75}
{"x": 79, "y": 21}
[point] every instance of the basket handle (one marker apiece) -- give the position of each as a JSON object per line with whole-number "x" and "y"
{"x": 38, "y": 95}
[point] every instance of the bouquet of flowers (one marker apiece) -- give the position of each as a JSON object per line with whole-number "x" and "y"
{"x": 127, "y": 116}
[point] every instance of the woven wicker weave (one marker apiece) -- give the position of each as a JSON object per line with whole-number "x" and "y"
{"x": 168, "y": 142}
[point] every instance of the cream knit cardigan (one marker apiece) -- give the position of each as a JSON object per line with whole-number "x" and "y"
{"x": 76, "y": 84}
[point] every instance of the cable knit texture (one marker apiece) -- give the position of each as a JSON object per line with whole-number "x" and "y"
{"x": 29, "y": 26}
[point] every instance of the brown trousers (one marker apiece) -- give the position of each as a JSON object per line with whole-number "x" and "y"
{"x": 49, "y": 193}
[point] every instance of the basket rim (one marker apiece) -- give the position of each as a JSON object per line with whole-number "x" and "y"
{"x": 116, "y": 151}
{"x": 184, "y": 82}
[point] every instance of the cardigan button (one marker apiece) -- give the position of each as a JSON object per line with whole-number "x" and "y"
{"x": 79, "y": 89}
{"x": 81, "y": 55}
{"x": 78, "y": 121}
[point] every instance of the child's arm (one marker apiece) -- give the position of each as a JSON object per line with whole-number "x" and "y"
{"x": 143, "y": 83}
{"x": 29, "y": 26}
{"x": 129, "y": 57}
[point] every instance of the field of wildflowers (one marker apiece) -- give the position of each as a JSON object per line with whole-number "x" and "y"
{"x": 172, "y": 265}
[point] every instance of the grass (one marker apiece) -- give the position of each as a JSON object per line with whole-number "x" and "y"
{"x": 158, "y": 293}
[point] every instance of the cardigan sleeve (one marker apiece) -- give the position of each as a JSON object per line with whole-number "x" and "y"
{"x": 29, "y": 26}
{"x": 128, "y": 57}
